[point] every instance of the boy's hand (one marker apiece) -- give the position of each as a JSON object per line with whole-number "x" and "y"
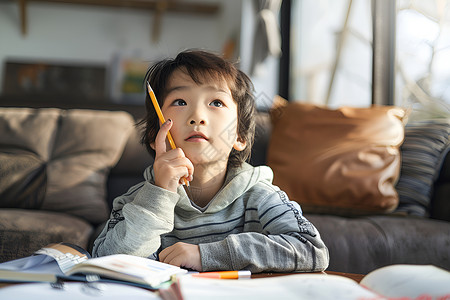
{"x": 171, "y": 165}
{"x": 182, "y": 255}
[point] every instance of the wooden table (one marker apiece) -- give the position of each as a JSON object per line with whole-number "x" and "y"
{"x": 355, "y": 277}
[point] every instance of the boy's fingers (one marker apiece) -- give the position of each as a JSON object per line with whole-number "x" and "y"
{"x": 190, "y": 168}
{"x": 163, "y": 255}
{"x": 160, "y": 141}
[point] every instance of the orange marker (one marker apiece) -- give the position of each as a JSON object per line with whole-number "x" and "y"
{"x": 225, "y": 274}
{"x": 162, "y": 120}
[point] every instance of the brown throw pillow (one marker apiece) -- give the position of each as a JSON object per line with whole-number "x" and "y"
{"x": 343, "y": 161}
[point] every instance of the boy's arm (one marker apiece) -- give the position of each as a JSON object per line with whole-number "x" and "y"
{"x": 137, "y": 220}
{"x": 287, "y": 243}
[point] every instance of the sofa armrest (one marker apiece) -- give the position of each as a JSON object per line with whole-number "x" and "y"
{"x": 262, "y": 135}
{"x": 440, "y": 206}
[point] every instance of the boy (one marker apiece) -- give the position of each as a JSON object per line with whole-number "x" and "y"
{"x": 235, "y": 219}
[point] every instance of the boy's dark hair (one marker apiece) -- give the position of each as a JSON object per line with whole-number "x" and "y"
{"x": 200, "y": 65}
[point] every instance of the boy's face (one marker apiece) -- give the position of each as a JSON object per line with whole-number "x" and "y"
{"x": 204, "y": 118}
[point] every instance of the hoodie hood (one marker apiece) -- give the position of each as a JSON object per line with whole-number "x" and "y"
{"x": 237, "y": 182}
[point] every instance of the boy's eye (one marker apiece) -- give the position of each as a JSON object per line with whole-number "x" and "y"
{"x": 216, "y": 103}
{"x": 179, "y": 102}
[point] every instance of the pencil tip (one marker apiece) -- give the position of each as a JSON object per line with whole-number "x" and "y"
{"x": 149, "y": 87}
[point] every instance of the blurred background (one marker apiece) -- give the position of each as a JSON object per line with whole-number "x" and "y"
{"x": 328, "y": 52}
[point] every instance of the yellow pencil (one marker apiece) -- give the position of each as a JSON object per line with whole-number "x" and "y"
{"x": 162, "y": 120}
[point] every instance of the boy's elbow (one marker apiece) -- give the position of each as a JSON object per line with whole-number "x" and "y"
{"x": 321, "y": 259}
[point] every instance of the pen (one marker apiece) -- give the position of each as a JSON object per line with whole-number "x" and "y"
{"x": 225, "y": 274}
{"x": 162, "y": 120}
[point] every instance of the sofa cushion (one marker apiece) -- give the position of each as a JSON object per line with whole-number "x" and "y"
{"x": 23, "y": 180}
{"x": 24, "y": 149}
{"x": 24, "y": 231}
{"x": 87, "y": 145}
{"x": 77, "y": 148}
{"x": 343, "y": 161}
{"x": 362, "y": 244}
{"x": 425, "y": 147}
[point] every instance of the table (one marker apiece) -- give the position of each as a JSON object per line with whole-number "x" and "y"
{"x": 355, "y": 277}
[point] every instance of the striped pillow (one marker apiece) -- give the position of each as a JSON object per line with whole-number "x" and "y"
{"x": 422, "y": 153}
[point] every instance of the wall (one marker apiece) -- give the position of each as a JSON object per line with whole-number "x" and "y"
{"x": 67, "y": 32}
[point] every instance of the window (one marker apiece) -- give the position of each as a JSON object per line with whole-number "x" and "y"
{"x": 332, "y": 45}
{"x": 331, "y": 52}
{"x": 423, "y": 51}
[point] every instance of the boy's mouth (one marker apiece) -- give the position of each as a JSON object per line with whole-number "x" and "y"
{"x": 196, "y": 137}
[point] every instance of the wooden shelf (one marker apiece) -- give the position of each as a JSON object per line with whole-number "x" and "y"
{"x": 68, "y": 102}
{"x": 158, "y": 6}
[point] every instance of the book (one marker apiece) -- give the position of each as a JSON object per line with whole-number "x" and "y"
{"x": 392, "y": 282}
{"x": 68, "y": 262}
{"x": 75, "y": 291}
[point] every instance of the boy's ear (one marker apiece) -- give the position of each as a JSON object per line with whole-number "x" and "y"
{"x": 152, "y": 145}
{"x": 239, "y": 145}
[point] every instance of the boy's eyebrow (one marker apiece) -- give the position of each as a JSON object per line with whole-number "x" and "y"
{"x": 176, "y": 88}
{"x": 184, "y": 87}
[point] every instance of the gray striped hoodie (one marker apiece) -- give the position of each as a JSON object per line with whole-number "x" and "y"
{"x": 249, "y": 224}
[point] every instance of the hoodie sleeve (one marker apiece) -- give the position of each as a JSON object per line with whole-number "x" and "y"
{"x": 286, "y": 242}
{"x": 137, "y": 221}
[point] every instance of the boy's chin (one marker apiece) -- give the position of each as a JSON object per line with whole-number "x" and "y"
{"x": 201, "y": 160}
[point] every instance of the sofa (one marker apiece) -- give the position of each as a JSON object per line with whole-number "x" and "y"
{"x": 61, "y": 168}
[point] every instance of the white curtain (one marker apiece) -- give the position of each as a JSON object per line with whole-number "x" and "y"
{"x": 267, "y": 37}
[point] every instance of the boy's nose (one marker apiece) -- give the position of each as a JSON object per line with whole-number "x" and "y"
{"x": 194, "y": 122}
{"x": 197, "y": 116}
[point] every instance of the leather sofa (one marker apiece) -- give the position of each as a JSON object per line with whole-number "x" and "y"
{"x": 58, "y": 168}
{"x": 357, "y": 244}
{"x": 362, "y": 243}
